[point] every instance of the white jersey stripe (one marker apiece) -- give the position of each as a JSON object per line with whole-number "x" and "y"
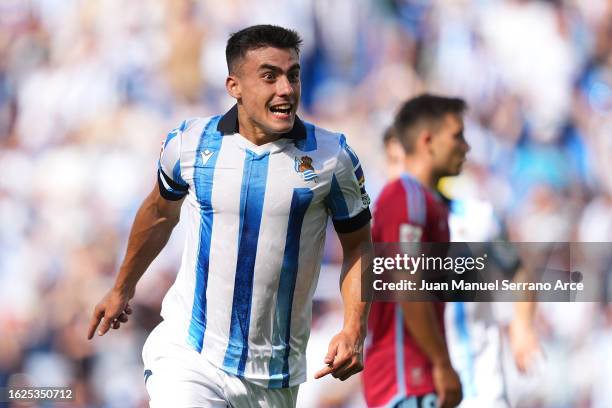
{"x": 252, "y": 196}
{"x": 281, "y": 347}
{"x": 203, "y": 181}
{"x": 224, "y": 248}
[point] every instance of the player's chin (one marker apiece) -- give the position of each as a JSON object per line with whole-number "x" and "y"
{"x": 456, "y": 170}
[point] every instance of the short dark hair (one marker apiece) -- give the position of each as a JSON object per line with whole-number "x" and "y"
{"x": 389, "y": 135}
{"x": 259, "y": 36}
{"x": 425, "y": 109}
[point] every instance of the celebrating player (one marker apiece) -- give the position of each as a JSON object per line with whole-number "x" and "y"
{"x": 407, "y": 361}
{"x": 258, "y": 184}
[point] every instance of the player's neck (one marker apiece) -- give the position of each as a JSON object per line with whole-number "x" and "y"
{"x": 253, "y": 133}
{"x": 422, "y": 172}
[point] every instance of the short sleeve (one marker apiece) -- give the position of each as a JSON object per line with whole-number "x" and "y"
{"x": 171, "y": 184}
{"x": 391, "y": 221}
{"x": 412, "y": 227}
{"x": 347, "y": 201}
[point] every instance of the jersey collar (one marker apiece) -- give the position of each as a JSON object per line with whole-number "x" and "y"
{"x": 228, "y": 125}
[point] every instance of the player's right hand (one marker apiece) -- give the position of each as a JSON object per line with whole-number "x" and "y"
{"x": 112, "y": 310}
{"x": 447, "y": 385}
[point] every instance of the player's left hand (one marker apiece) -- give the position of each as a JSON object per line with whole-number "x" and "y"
{"x": 344, "y": 356}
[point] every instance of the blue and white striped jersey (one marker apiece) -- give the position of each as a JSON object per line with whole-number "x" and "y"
{"x": 256, "y": 226}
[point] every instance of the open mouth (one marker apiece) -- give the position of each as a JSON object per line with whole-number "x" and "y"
{"x": 282, "y": 110}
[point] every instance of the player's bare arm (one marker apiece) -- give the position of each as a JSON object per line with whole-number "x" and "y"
{"x": 523, "y": 337}
{"x": 154, "y": 222}
{"x": 345, "y": 353}
{"x": 524, "y": 340}
{"x": 420, "y": 319}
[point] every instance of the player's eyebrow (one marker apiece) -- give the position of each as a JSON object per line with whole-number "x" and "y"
{"x": 274, "y": 68}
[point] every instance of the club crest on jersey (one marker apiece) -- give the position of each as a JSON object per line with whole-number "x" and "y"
{"x": 303, "y": 165}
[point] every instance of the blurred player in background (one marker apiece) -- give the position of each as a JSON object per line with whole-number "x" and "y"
{"x": 407, "y": 360}
{"x": 474, "y": 330}
{"x": 258, "y": 184}
{"x": 474, "y": 333}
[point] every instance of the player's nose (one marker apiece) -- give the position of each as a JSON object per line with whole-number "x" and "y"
{"x": 284, "y": 87}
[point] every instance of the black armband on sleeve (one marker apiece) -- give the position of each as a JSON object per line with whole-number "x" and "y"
{"x": 354, "y": 223}
{"x": 170, "y": 189}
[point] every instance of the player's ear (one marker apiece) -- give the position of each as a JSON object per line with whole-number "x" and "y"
{"x": 426, "y": 138}
{"x": 232, "y": 84}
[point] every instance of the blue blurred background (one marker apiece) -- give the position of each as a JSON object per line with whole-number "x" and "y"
{"x": 88, "y": 90}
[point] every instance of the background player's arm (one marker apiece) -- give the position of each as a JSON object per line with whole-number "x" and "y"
{"x": 524, "y": 339}
{"x": 522, "y": 334}
{"x": 345, "y": 353}
{"x": 420, "y": 319}
{"x": 154, "y": 222}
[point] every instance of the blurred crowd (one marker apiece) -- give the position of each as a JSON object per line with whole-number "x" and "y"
{"x": 88, "y": 90}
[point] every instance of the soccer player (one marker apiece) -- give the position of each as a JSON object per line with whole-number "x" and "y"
{"x": 407, "y": 360}
{"x": 257, "y": 184}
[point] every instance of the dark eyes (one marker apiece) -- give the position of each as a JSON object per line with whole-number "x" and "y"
{"x": 294, "y": 76}
{"x": 271, "y": 77}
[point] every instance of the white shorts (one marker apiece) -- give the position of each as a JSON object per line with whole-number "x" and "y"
{"x": 179, "y": 377}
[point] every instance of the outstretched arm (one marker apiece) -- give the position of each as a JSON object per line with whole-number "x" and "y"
{"x": 345, "y": 353}
{"x": 150, "y": 232}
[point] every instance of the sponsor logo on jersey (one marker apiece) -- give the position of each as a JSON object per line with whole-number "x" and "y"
{"x": 206, "y": 155}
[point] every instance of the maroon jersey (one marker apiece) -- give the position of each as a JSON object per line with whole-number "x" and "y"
{"x": 395, "y": 366}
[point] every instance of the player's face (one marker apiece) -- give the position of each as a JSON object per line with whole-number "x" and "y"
{"x": 449, "y": 147}
{"x": 394, "y": 159}
{"x": 269, "y": 88}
